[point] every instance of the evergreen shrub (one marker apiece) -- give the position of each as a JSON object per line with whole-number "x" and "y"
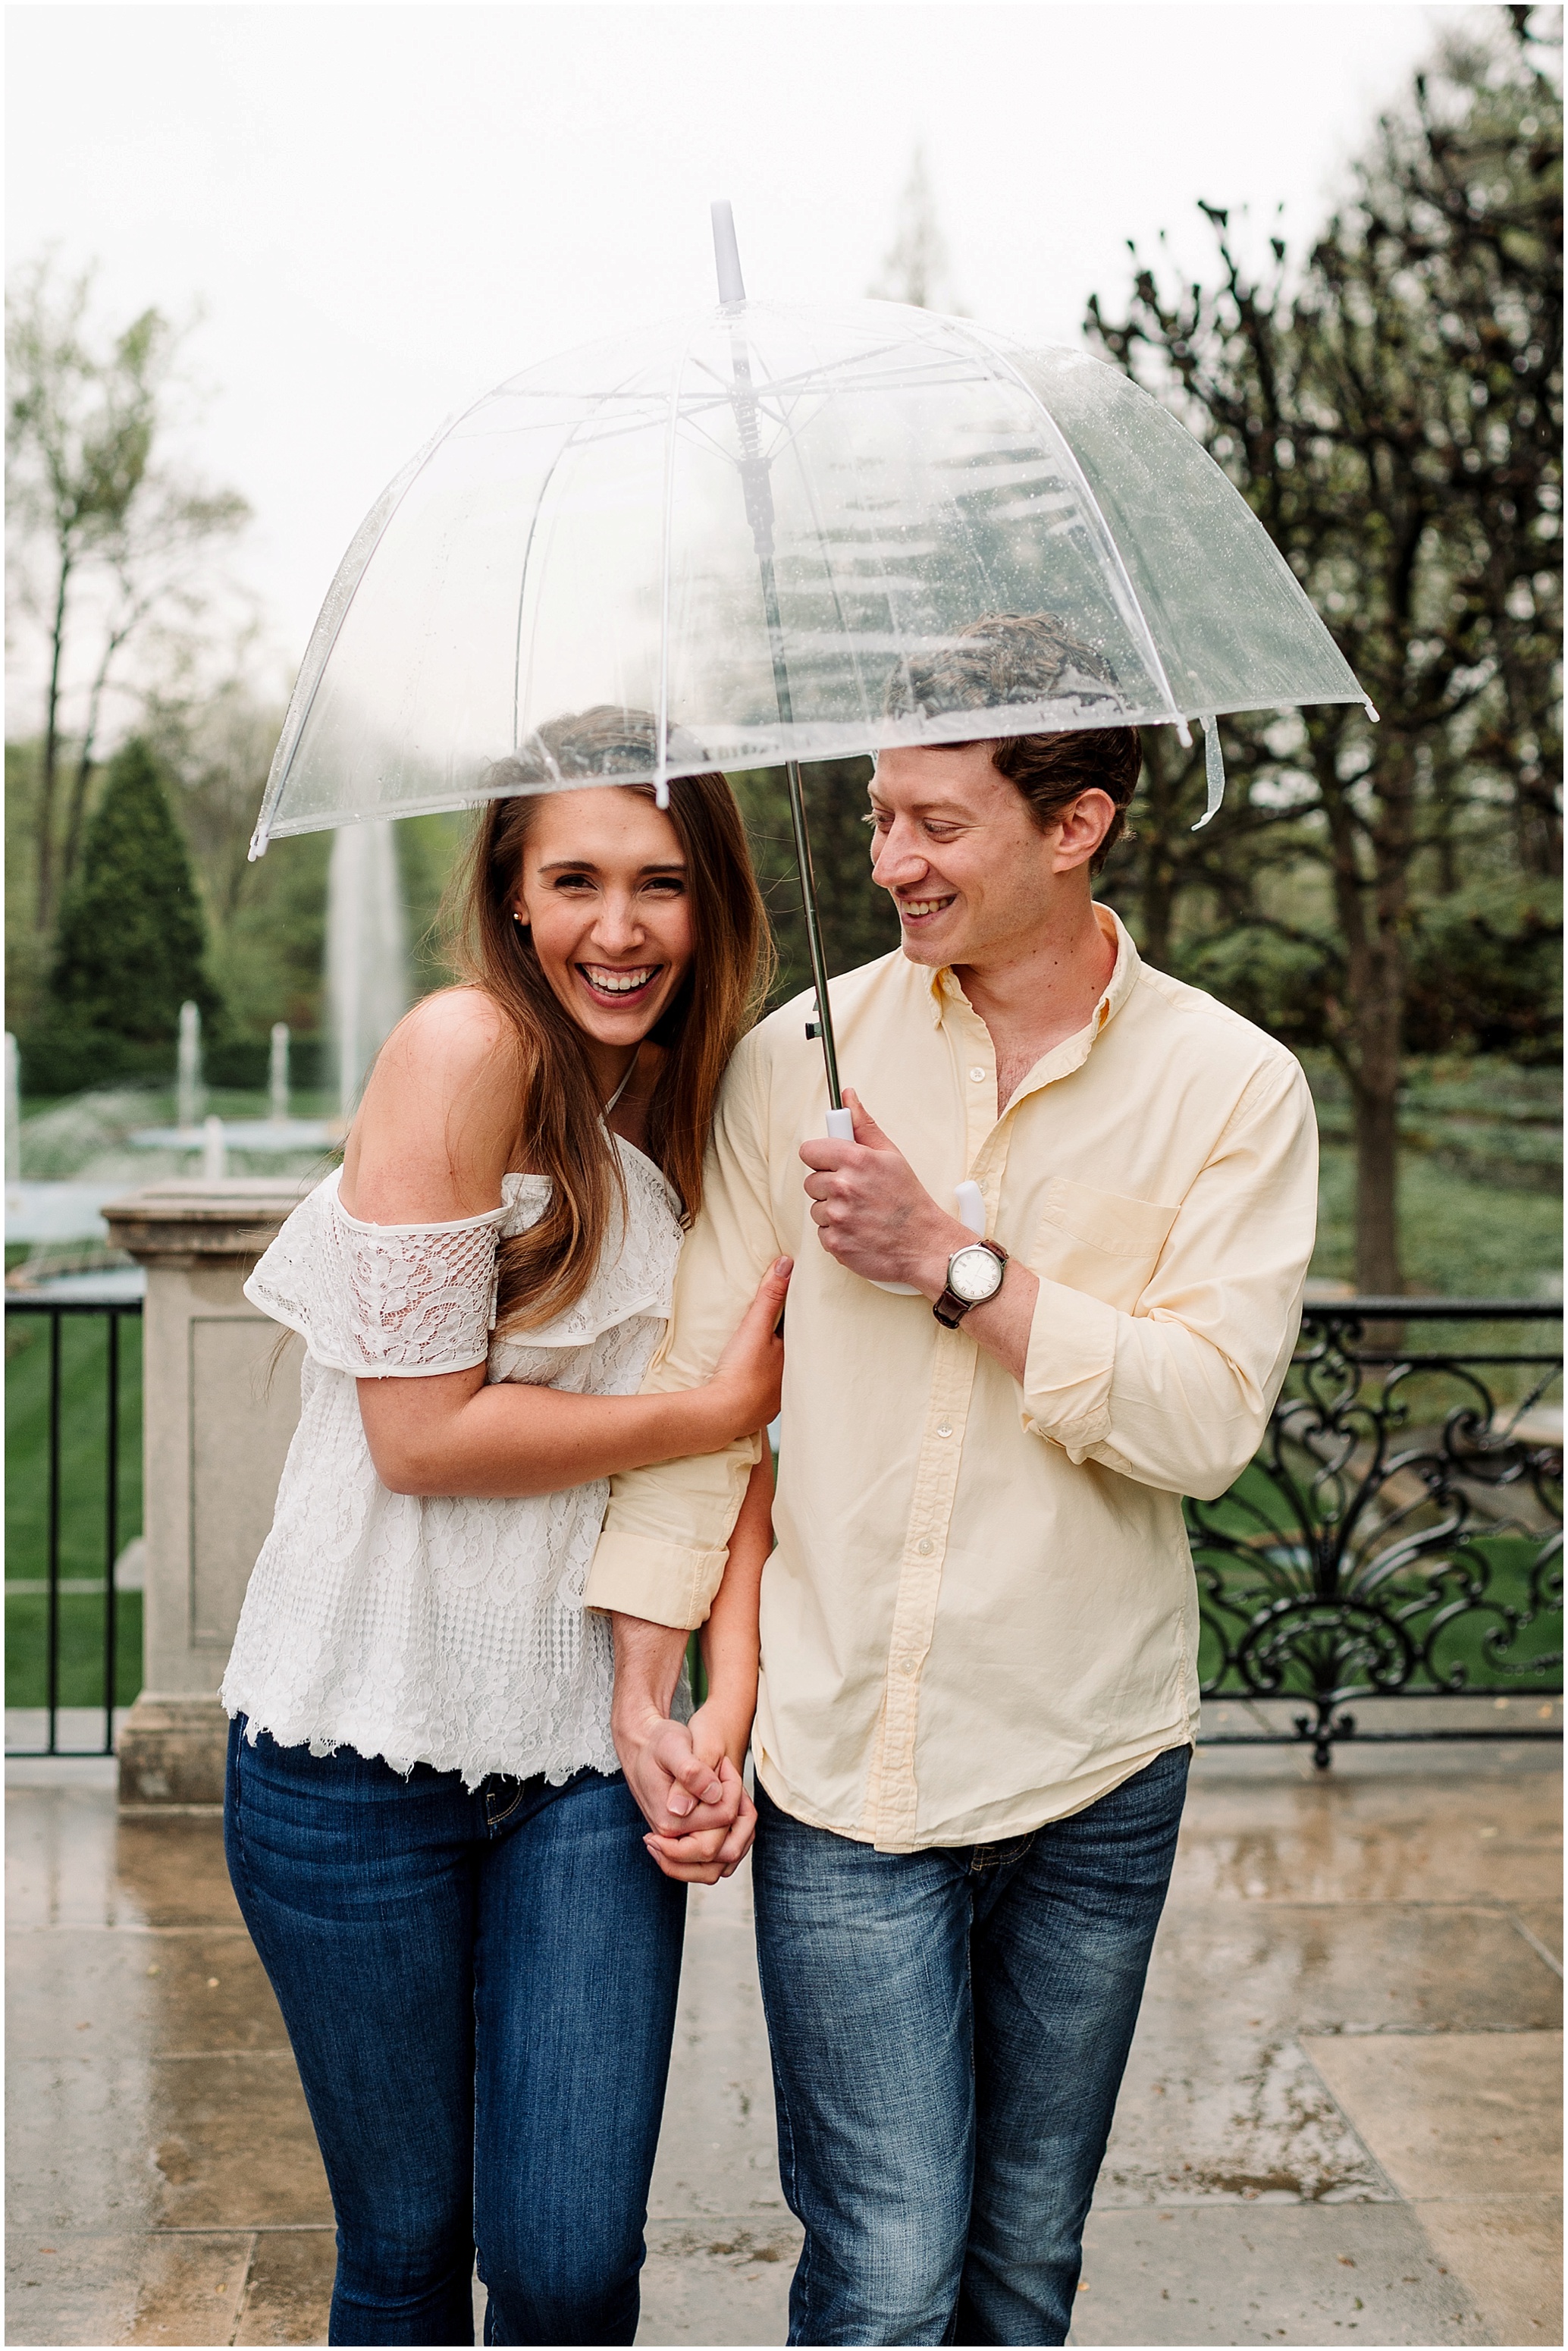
{"x": 130, "y": 948}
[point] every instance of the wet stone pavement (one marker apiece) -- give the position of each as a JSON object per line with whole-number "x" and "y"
{"x": 1341, "y": 2120}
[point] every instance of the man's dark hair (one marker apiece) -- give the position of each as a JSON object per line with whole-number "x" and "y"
{"x": 1031, "y": 657}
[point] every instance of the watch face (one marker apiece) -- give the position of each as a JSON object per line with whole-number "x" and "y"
{"x": 973, "y": 1275}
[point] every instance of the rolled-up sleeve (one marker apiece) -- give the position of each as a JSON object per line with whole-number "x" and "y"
{"x": 665, "y": 1541}
{"x": 1177, "y": 1394}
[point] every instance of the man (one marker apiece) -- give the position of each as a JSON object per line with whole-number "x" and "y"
{"x": 979, "y": 1627}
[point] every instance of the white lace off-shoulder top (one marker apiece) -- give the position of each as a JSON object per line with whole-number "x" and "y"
{"x": 439, "y": 1630}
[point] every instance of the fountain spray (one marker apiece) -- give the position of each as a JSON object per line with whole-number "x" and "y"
{"x": 188, "y": 1081}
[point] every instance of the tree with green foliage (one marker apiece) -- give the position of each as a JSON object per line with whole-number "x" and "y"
{"x": 105, "y": 535}
{"x": 1393, "y": 410}
{"x": 130, "y": 944}
{"x": 858, "y": 921}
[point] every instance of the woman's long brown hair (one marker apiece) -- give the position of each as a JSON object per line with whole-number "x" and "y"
{"x": 546, "y": 1269}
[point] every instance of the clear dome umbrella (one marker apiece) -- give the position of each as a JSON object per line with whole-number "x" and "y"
{"x": 754, "y": 524}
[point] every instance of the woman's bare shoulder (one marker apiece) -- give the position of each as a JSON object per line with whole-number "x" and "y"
{"x": 454, "y": 1035}
{"x": 433, "y": 1135}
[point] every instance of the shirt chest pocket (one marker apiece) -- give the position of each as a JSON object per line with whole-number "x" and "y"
{"x": 1099, "y": 1242}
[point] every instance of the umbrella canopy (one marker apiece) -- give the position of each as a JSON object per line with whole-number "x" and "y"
{"x": 751, "y": 523}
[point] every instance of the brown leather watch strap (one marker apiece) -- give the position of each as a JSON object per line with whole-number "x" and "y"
{"x": 950, "y": 1309}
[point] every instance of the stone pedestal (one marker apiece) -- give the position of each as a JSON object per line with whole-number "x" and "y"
{"x": 220, "y": 1401}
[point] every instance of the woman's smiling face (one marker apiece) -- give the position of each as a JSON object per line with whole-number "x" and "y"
{"x": 603, "y": 891}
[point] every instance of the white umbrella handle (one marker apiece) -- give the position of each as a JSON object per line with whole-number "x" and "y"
{"x": 970, "y": 1200}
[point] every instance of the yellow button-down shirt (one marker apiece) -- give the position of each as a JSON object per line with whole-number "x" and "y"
{"x": 982, "y": 1610}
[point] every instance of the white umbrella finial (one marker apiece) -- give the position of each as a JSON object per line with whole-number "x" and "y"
{"x": 727, "y": 255}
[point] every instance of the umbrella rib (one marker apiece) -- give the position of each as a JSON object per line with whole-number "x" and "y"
{"x": 795, "y": 385}
{"x": 661, "y": 737}
{"x": 570, "y": 442}
{"x": 294, "y": 722}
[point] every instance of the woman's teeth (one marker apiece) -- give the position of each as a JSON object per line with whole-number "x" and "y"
{"x": 917, "y": 906}
{"x": 618, "y": 983}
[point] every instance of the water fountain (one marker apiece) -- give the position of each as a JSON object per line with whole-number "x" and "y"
{"x": 367, "y": 995}
{"x": 189, "y": 1091}
{"x": 277, "y": 1072}
{"x": 368, "y": 991}
{"x": 46, "y": 1213}
{"x": 13, "y": 1112}
{"x": 367, "y": 955}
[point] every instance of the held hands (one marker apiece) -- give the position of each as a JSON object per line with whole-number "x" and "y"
{"x": 744, "y": 1390}
{"x": 687, "y": 1783}
{"x": 873, "y": 1213}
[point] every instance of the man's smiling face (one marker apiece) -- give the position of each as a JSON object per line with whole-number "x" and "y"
{"x": 955, "y": 845}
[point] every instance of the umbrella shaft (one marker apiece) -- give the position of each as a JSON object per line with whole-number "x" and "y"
{"x": 797, "y": 826}
{"x": 813, "y": 933}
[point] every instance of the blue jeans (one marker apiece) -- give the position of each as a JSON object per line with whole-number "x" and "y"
{"x": 480, "y": 1991}
{"x": 949, "y": 2031}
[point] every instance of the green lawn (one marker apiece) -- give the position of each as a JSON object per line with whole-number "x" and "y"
{"x": 1480, "y": 1180}
{"x": 81, "y": 1648}
{"x": 1460, "y": 1236}
{"x": 83, "y": 1499}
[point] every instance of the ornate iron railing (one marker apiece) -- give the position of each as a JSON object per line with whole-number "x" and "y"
{"x": 1400, "y": 1534}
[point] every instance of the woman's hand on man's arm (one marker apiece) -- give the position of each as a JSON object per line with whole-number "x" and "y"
{"x": 455, "y": 1434}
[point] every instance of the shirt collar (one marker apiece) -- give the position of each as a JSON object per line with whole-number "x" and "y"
{"x": 943, "y": 988}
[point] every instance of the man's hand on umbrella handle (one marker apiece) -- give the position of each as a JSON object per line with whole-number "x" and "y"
{"x": 873, "y": 1213}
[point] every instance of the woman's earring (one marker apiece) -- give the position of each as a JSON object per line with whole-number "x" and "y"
{"x": 518, "y": 920}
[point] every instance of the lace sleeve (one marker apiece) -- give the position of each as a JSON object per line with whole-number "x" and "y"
{"x": 381, "y": 1302}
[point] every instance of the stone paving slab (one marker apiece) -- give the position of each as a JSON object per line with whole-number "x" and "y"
{"x": 1510, "y": 2254}
{"x": 721, "y": 2284}
{"x": 1460, "y": 2116}
{"x": 1543, "y": 1922}
{"x": 139, "y": 2288}
{"x": 1222, "y": 2099}
{"x": 1354, "y": 1978}
{"x": 203, "y": 1990}
{"x": 1368, "y": 1832}
{"x": 1275, "y": 2274}
{"x": 205, "y": 2142}
{"x": 717, "y": 2155}
{"x": 722, "y": 2243}
{"x": 289, "y": 2287}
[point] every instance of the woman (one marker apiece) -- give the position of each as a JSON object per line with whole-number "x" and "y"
{"x": 434, "y": 1849}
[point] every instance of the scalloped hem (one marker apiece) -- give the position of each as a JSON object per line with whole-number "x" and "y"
{"x": 474, "y": 1765}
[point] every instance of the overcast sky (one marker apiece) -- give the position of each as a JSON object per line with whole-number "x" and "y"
{"x": 384, "y": 209}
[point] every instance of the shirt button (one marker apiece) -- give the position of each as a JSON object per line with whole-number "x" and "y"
{"x": 904, "y": 1664}
{"x": 977, "y": 1075}
{"x": 946, "y": 1429}
{"x": 923, "y": 1546}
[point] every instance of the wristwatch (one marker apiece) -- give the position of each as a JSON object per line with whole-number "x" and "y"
{"x": 974, "y": 1274}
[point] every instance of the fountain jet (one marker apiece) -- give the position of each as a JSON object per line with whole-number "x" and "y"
{"x": 277, "y": 1072}
{"x": 367, "y": 955}
{"x": 214, "y": 1151}
{"x": 13, "y": 1111}
{"x": 189, "y": 1090}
